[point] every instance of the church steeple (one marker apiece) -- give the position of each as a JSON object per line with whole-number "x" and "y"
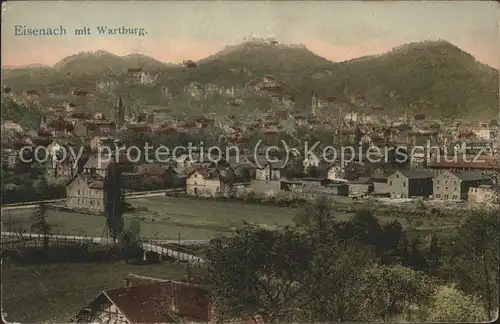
{"x": 119, "y": 113}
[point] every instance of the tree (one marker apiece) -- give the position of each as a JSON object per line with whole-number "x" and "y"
{"x": 451, "y": 305}
{"x": 41, "y": 224}
{"x": 317, "y": 220}
{"x": 114, "y": 200}
{"x": 331, "y": 285}
{"x": 391, "y": 290}
{"x": 256, "y": 272}
{"x": 130, "y": 240}
{"x": 434, "y": 256}
{"x": 475, "y": 257}
{"x": 393, "y": 241}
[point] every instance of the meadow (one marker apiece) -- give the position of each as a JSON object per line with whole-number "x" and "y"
{"x": 52, "y": 293}
{"x": 197, "y": 219}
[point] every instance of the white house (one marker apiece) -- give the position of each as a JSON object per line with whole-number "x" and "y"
{"x": 203, "y": 183}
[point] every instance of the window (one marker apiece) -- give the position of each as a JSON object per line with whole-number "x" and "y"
{"x": 397, "y": 175}
{"x": 404, "y": 184}
{"x": 195, "y": 175}
{"x": 446, "y": 182}
{"x": 78, "y": 192}
{"x": 438, "y": 195}
{"x": 455, "y": 197}
{"x": 437, "y": 187}
{"x": 217, "y": 189}
{"x": 390, "y": 183}
{"x": 437, "y": 181}
{"x": 455, "y": 183}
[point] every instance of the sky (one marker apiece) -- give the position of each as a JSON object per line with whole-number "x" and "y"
{"x": 178, "y": 31}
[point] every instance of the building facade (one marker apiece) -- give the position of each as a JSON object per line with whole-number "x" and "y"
{"x": 456, "y": 185}
{"x": 85, "y": 191}
{"x": 411, "y": 183}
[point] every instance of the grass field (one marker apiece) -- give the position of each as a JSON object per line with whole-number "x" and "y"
{"x": 54, "y": 292}
{"x": 165, "y": 217}
{"x": 192, "y": 219}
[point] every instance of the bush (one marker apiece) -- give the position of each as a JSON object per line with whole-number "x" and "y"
{"x": 418, "y": 223}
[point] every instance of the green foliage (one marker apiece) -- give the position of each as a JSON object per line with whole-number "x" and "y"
{"x": 256, "y": 272}
{"x": 393, "y": 290}
{"x": 475, "y": 251}
{"x": 331, "y": 286}
{"x": 451, "y": 305}
{"x": 20, "y": 114}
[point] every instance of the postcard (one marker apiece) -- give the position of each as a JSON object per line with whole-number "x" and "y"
{"x": 250, "y": 161}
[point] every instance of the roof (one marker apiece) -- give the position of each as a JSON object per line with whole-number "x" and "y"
{"x": 97, "y": 184}
{"x": 144, "y": 303}
{"x": 94, "y": 180}
{"x": 417, "y": 173}
{"x": 470, "y": 175}
{"x": 102, "y": 164}
{"x": 207, "y": 174}
{"x": 470, "y": 162}
{"x": 159, "y": 171}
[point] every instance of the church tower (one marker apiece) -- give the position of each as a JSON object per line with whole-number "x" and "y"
{"x": 314, "y": 104}
{"x": 119, "y": 114}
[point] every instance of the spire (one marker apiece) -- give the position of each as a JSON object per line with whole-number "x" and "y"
{"x": 119, "y": 113}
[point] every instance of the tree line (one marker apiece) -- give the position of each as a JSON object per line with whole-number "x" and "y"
{"x": 323, "y": 269}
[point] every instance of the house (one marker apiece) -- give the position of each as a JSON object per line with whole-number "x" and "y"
{"x": 82, "y": 129}
{"x": 65, "y": 168}
{"x": 482, "y": 194}
{"x": 311, "y": 184}
{"x": 97, "y": 142}
{"x": 11, "y": 126}
{"x": 104, "y": 126}
{"x": 455, "y": 185}
{"x": 9, "y": 158}
{"x": 335, "y": 188}
{"x": 483, "y": 163}
{"x": 360, "y": 186}
{"x": 99, "y": 164}
{"x": 201, "y": 182}
{"x": 85, "y": 191}
{"x": 411, "y": 183}
{"x": 268, "y": 171}
{"x": 166, "y": 175}
{"x": 151, "y": 300}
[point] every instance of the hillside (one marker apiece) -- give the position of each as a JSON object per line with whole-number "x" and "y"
{"x": 102, "y": 62}
{"x": 434, "y": 78}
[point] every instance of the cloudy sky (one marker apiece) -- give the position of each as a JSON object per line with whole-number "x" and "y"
{"x": 192, "y": 30}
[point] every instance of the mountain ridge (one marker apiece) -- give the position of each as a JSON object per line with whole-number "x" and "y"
{"x": 434, "y": 76}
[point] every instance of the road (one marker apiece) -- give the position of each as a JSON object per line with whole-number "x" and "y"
{"x": 128, "y": 196}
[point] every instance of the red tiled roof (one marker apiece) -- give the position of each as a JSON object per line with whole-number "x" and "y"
{"x": 191, "y": 300}
{"x": 144, "y": 304}
{"x": 471, "y": 162}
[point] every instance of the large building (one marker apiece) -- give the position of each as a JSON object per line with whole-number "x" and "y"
{"x": 410, "y": 183}
{"x": 456, "y": 185}
{"x": 85, "y": 191}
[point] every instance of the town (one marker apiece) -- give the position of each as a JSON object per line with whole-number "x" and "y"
{"x": 273, "y": 179}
